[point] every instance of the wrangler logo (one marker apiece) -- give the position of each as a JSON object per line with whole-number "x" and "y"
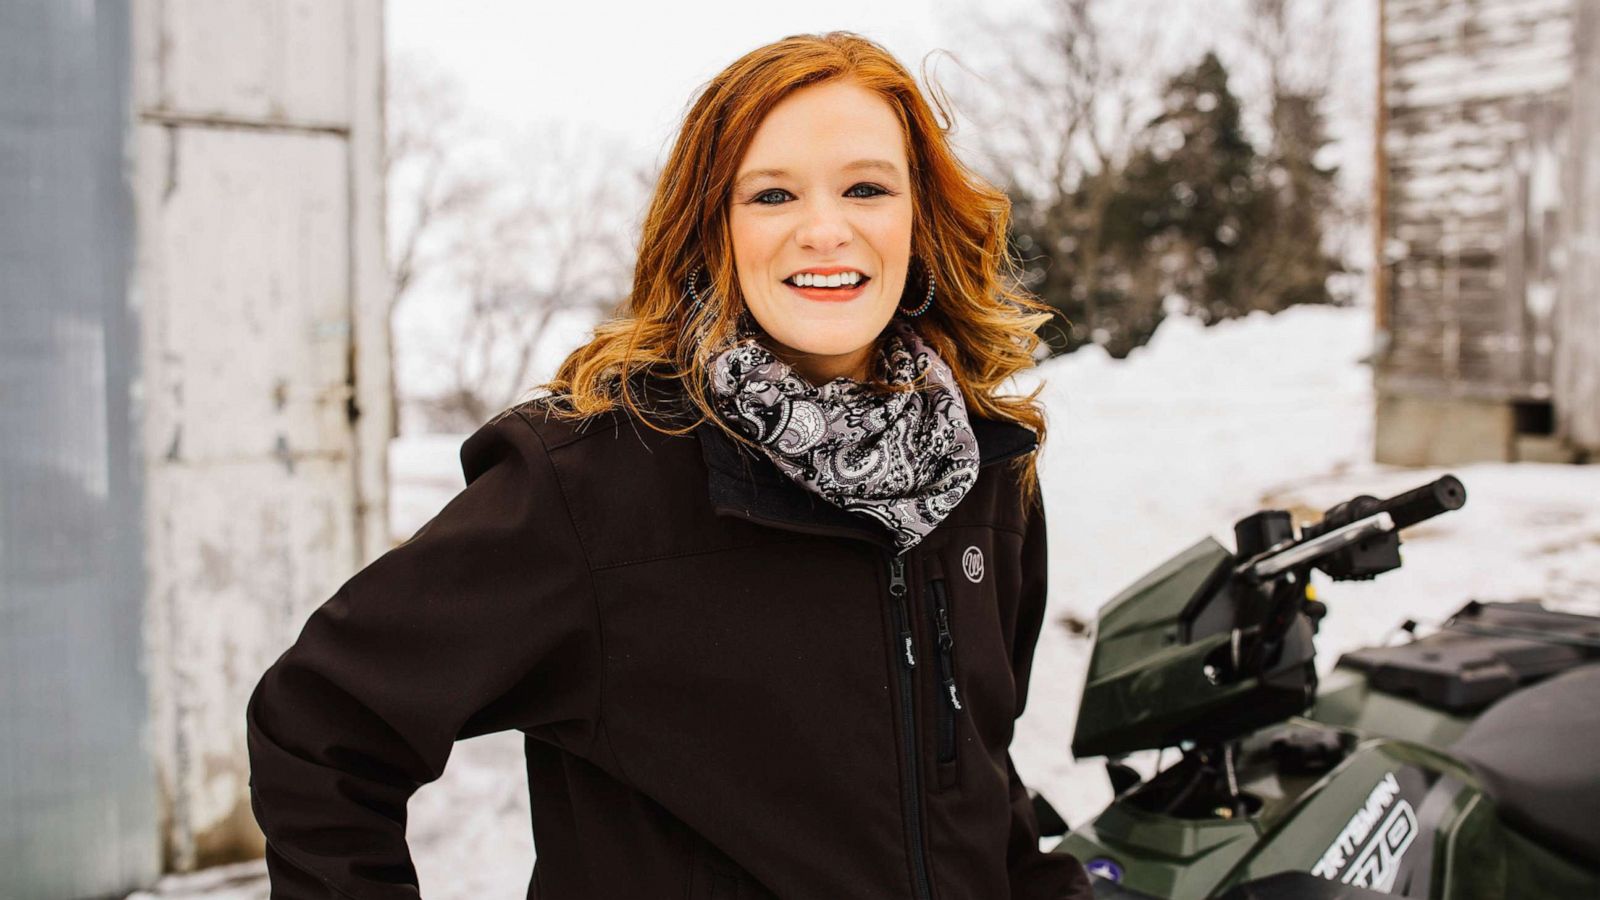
{"x": 972, "y": 564}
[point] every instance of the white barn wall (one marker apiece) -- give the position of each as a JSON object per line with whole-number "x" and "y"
{"x": 264, "y": 294}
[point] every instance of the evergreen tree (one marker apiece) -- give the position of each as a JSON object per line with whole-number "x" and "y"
{"x": 1196, "y": 212}
{"x": 1192, "y": 198}
{"x": 1283, "y": 261}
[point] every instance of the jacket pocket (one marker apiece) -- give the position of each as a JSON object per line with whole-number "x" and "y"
{"x": 950, "y": 702}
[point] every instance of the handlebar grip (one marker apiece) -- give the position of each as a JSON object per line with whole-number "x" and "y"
{"x": 1425, "y": 502}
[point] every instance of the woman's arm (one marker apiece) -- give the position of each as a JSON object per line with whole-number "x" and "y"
{"x": 1034, "y": 875}
{"x": 483, "y": 621}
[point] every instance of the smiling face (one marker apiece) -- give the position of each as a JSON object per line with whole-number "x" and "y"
{"x": 823, "y": 188}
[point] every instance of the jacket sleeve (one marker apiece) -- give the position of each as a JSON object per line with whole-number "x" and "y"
{"x": 482, "y": 621}
{"x": 1034, "y": 875}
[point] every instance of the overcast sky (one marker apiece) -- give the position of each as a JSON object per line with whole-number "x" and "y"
{"x": 629, "y": 69}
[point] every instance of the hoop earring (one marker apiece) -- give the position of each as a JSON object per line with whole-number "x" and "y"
{"x": 691, "y": 293}
{"x": 926, "y": 301}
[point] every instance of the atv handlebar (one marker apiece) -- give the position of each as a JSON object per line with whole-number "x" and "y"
{"x": 1432, "y": 499}
{"x": 1332, "y": 542}
{"x": 1274, "y": 562}
{"x": 1407, "y": 509}
{"x": 1214, "y": 644}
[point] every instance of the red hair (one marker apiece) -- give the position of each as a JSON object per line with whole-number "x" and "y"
{"x": 981, "y": 322}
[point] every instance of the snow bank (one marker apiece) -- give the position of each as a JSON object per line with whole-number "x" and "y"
{"x": 1204, "y": 426}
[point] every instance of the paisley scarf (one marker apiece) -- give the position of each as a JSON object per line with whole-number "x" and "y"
{"x": 901, "y": 459}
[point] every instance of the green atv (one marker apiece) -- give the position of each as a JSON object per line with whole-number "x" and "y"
{"x": 1463, "y": 764}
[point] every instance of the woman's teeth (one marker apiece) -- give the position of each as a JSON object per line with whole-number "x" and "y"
{"x": 839, "y": 279}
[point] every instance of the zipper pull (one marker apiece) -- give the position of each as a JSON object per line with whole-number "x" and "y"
{"x": 897, "y": 589}
{"x": 946, "y": 642}
{"x": 946, "y": 645}
{"x": 950, "y": 691}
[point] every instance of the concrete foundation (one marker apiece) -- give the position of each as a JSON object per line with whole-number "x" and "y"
{"x": 1436, "y": 431}
{"x": 1544, "y": 448}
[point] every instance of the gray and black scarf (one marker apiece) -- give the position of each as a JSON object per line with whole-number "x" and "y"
{"x": 902, "y": 459}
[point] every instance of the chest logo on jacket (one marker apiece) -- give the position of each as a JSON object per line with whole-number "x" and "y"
{"x": 972, "y": 564}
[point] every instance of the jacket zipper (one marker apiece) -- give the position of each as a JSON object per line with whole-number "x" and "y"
{"x": 950, "y": 701}
{"x": 908, "y": 662}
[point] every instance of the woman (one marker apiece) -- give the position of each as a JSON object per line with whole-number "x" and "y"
{"x": 751, "y": 576}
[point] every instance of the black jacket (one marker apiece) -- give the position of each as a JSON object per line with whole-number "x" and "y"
{"x": 729, "y": 688}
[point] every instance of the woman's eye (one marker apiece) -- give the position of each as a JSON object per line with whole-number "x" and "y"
{"x": 871, "y": 187}
{"x": 875, "y": 191}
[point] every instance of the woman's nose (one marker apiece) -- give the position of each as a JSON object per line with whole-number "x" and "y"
{"x": 824, "y": 228}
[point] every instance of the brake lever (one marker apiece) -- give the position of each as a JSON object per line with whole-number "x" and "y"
{"x": 1271, "y": 563}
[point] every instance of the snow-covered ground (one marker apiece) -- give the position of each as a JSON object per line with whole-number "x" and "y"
{"x": 1144, "y": 456}
{"x": 1202, "y": 427}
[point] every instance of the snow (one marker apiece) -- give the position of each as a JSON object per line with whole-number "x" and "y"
{"x": 1202, "y": 427}
{"x": 1144, "y": 456}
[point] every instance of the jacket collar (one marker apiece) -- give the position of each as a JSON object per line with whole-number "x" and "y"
{"x": 747, "y": 485}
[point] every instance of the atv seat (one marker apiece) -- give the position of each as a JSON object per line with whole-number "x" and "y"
{"x": 1535, "y": 753}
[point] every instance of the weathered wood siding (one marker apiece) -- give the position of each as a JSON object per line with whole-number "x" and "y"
{"x": 1577, "y": 364}
{"x": 1476, "y": 149}
{"x": 262, "y": 290}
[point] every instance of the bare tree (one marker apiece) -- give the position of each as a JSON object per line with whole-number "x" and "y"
{"x": 429, "y": 192}
{"x": 497, "y": 237}
{"x": 426, "y": 124}
{"x": 1294, "y": 45}
{"x": 1314, "y": 73}
{"x": 1067, "y": 90}
{"x": 557, "y": 243}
